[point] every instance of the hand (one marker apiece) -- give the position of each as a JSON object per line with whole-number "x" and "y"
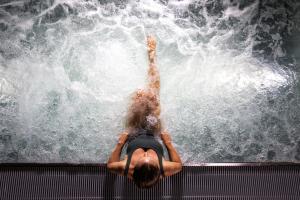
{"x": 151, "y": 42}
{"x": 123, "y": 138}
{"x": 165, "y": 136}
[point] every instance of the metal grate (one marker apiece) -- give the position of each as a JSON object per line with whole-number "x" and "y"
{"x": 220, "y": 181}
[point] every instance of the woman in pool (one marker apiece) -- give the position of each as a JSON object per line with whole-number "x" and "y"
{"x": 144, "y": 162}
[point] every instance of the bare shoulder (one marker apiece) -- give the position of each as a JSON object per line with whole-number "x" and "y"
{"x": 117, "y": 167}
{"x": 171, "y": 168}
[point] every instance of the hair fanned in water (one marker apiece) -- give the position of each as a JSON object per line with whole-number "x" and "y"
{"x": 143, "y": 113}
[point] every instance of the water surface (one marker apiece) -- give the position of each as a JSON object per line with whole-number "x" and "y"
{"x": 229, "y": 69}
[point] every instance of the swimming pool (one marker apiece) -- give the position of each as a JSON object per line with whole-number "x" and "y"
{"x": 230, "y": 88}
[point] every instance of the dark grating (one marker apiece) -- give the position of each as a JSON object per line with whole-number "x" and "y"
{"x": 65, "y": 181}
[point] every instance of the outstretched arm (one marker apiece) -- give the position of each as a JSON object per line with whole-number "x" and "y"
{"x": 153, "y": 74}
{"x": 151, "y": 43}
{"x": 174, "y": 165}
{"x": 114, "y": 164}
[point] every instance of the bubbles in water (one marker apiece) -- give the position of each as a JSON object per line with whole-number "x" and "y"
{"x": 228, "y": 84}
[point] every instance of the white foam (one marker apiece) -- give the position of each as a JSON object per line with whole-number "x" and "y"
{"x": 77, "y": 78}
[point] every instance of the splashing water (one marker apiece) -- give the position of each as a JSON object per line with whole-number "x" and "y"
{"x": 229, "y": 77}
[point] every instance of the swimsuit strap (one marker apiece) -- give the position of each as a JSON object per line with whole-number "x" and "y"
{"x": 128, "y": 163}
{"x": 160, "y": 164}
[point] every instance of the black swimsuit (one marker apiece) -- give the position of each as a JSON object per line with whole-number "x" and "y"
{"x": 144, "y": 141}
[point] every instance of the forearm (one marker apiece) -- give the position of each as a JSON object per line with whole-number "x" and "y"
{"x": 173, "y": 153}
{"x": 115, "y": 155}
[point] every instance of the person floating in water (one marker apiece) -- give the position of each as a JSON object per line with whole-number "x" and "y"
{"x": 144, "y": 162}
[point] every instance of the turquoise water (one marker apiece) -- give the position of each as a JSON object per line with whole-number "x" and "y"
{"x": 229, "y": 77}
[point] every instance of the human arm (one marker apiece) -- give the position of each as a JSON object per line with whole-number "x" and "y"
{"x": 114, "y": 164}
{"x": 174, "y": 165}
{"x": 151, "y": 43}
{"x": 153, "y": 74}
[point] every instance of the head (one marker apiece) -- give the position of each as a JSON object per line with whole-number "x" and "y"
{"x": 144, "y": 112}
{"x": 146, "y": 173}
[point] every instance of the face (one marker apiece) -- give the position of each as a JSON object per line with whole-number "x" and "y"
{"x": 147, "y": 173}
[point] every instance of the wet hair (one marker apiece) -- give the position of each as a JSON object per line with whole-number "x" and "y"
{"x": 146, "y": 175}
{"x": 144, "y": 112}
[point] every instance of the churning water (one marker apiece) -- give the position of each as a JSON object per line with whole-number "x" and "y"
{"x": 229, "y": 71}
